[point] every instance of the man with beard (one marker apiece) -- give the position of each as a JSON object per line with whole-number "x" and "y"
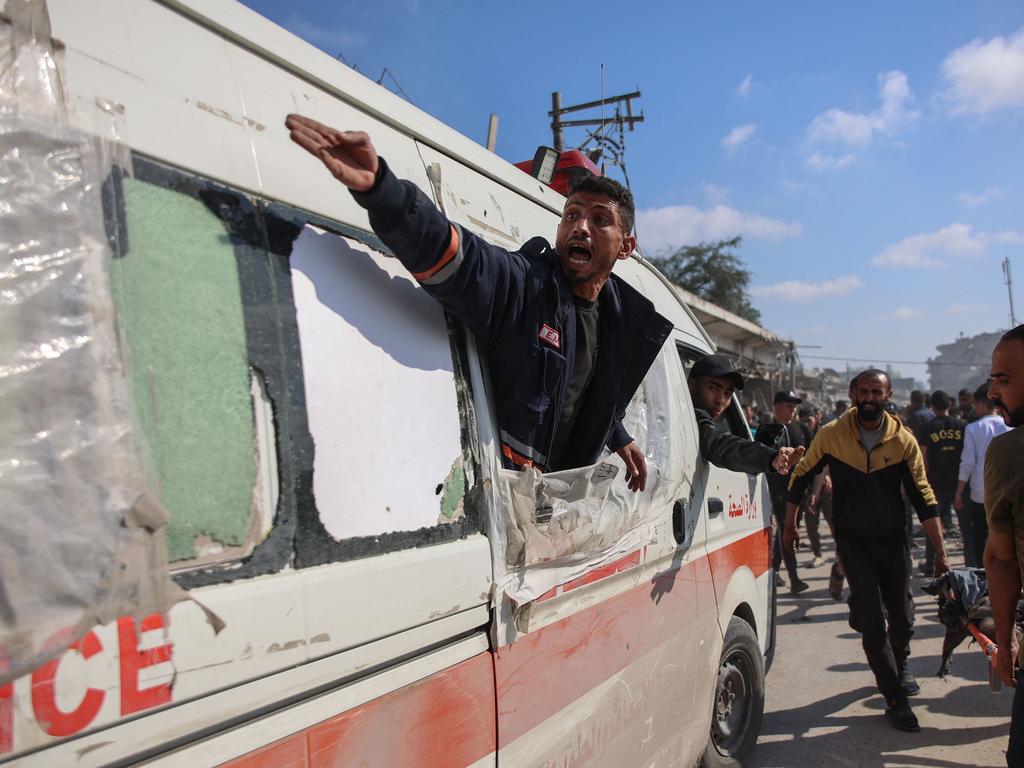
{"x": 870, "y": 456}
{"x": 1004, "y": 506}
{"x": 966, "y": 406}
{"x": 970, "y": 506}
{"x": 567, "y": 342}
{"x": 712, "y": 381}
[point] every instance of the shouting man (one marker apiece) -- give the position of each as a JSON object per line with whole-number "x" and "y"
{"x": 568, "y": 343}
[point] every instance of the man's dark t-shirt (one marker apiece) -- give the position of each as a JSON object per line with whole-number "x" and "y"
{"x": 943, "y": 441}
{"x": 919, "y": 421}
{"x": 587, "y": 317}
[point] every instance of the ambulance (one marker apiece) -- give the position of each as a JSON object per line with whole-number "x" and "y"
{"x": 254, "y": 513}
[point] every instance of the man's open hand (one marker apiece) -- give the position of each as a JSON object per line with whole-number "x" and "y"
{"x": 787, "y": 458}
{"x": 1005, "y": 663}
{"x": 348, "y": 155}
{"x": 636, "y": 466}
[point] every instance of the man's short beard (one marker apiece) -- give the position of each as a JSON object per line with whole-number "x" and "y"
{"x": 862, "y": 416}
{"x": 1014, "y": 418}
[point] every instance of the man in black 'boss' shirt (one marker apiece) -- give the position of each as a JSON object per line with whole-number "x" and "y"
{"x": 943, "y": 441}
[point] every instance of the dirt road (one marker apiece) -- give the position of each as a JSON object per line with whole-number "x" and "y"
{"x": 823, "y": 709}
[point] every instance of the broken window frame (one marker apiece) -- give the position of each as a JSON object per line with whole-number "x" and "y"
{"x": 262, "y": 233}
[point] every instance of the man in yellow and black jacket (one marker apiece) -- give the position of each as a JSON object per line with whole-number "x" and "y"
{"x": 870, "y": 457}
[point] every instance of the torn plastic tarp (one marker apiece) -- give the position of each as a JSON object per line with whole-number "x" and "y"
{"x": 80, "y": 541}
{"x": 548, "y": 529}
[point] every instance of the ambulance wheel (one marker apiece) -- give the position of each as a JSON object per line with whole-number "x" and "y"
{"x": 739, "y": 699}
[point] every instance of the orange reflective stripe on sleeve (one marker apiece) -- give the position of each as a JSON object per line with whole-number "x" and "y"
{"x": 449, "y": 254}
{"x": 516, "y": 458}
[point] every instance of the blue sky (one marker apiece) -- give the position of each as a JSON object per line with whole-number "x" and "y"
{"x": 870, "y": 153}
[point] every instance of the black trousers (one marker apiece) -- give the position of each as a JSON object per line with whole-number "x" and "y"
{"x": 878, "y": 571}
{"x": 980, "y": 529}
{"x": 780, "y": 554}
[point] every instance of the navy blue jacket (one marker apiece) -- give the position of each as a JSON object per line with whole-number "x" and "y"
{"x": 520, "y": 307}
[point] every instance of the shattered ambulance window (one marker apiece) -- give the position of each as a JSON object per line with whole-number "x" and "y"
{"x": 380, "y": 391}
{"x": 180, "y": 313}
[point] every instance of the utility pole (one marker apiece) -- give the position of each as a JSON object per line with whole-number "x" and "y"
{"x": 619, "y": 120}
{"x": 556, "y": 125}
{"x": 1008, "y": 279}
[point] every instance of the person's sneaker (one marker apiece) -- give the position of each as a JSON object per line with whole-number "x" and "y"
{"x": 908, "y": 682}
{"x": 779, "y": 581}
{"x": 902, "y": 718}
{"x": 798, "y": 586}
{"x": 835, "y": 589}
{"x": 817, "y": 562}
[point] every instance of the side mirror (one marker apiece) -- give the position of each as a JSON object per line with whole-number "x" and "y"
{"x": 545, "y": 161}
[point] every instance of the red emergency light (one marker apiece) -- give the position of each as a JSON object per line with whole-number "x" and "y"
{"x": 559, "y": 171}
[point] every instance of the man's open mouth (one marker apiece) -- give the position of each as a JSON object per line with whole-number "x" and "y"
{"x": 578, "y": 254}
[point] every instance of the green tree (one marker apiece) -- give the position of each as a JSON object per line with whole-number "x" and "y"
{"x": 714, "y": 272}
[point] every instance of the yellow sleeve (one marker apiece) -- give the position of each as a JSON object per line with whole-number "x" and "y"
{"x": 915, "y": 462}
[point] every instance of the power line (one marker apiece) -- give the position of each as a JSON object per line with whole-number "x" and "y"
{"x": 889, "y": 362}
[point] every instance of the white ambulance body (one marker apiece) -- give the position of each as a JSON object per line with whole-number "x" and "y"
{"x": 323, "y": 439}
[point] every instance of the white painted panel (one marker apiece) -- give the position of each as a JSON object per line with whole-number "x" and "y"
{"x": 287, "y": 172}
{"x": 380, "y": 388}
{"x": 359, "y": 601}
{"x": 492, "y": 211}
{"x": 129, "y": 79}
{"x": 182, "y": 723}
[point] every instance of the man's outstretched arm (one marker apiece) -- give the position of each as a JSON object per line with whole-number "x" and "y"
{"x": 480, "y": 284}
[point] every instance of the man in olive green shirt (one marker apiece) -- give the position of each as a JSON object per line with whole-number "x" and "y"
{"x": 1004, "y": 507}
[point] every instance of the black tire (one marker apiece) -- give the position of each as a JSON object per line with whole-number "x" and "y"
{"x": 739, "y": 699}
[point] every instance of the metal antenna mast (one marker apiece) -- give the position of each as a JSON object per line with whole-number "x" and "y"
{"x": 1008, "y": 280}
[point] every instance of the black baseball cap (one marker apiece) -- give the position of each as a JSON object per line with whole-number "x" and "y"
{"x": 787, "y": 396}
{"x": 717, "y": 365}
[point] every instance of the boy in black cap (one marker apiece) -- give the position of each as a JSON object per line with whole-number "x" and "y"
{"x": 712, "y": 383}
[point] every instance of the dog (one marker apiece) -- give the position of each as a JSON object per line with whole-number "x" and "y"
{"x": 963, "y": 599}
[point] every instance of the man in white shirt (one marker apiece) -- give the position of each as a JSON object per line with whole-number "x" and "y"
{"x": 971, "y": 511}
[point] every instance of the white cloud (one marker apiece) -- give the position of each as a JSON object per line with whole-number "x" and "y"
{"x": 330, "y": 40}
{"x": 1008, "y": 237}
{"x": 678, "y": 225}
{"x": 820, "y": 162}
{"x": 800, "y": 290}
{"x": 973, "y": 200}
{"x": 715, "y": 193}
{"x": 984, "y": 76}
{"x": 856, "y": 130}
{"x": 930, "y": 250}
{"x": 745, "y": 85}
{"x": 738, "y": 136}
{"x": 904, "y": 313}
{"x": 962, "y": 309}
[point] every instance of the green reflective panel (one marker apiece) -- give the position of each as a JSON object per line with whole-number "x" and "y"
{"x": 180, "y": 311}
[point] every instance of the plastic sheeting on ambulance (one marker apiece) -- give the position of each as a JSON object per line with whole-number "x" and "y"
{"x": 80, "y": 542}
{"x": 548, "y": 529}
